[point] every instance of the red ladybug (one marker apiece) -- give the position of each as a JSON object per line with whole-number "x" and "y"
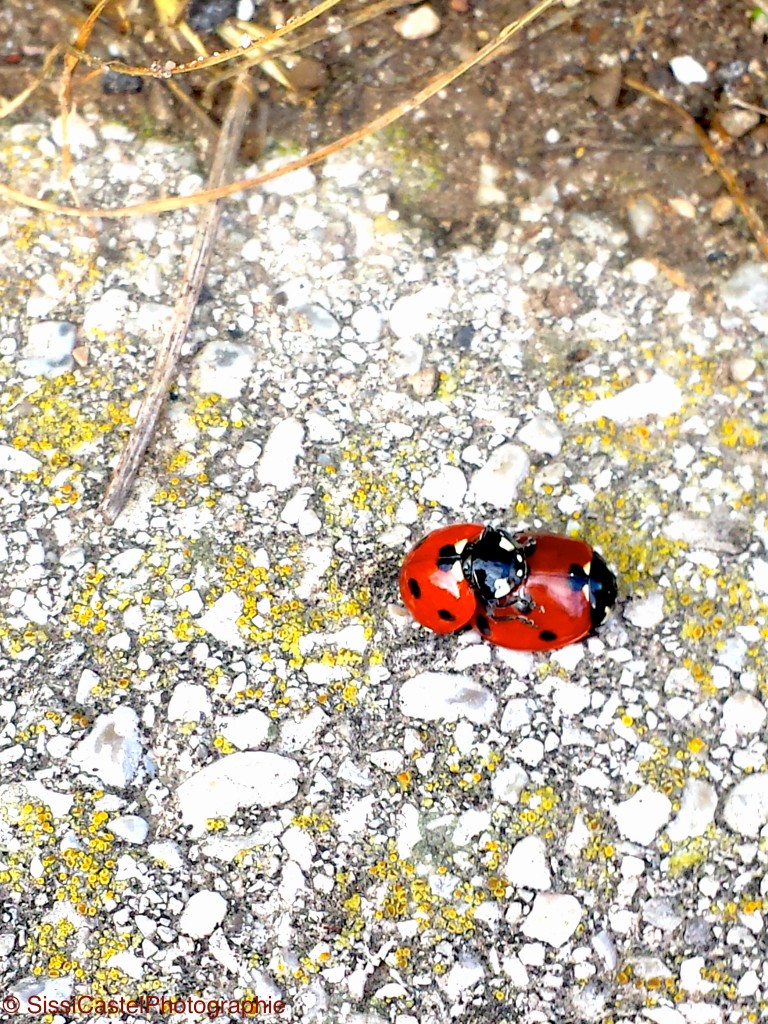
{"x": 525, "y": 591}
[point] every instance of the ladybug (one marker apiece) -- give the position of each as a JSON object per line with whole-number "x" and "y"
{"x": 525, "y": 591}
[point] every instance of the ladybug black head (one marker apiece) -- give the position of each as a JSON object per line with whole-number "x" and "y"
{"x": 602, "y": 589}
{"x": 494, "y": 565}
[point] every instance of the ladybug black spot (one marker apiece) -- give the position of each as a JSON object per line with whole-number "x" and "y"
{"x": 547, "y": 635}
{"x": 414, "y": 588}
{"x": 483, "y": 625}
{"x": 446, "y": 557}
{"x": 446, "y": 616}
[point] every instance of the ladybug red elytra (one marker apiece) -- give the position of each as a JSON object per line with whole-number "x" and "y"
{"x": 525, "y": 591}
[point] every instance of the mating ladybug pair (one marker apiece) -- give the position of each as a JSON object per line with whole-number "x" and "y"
{"x": 525, "y": 591}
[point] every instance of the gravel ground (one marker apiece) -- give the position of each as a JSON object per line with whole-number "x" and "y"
{"x": 232, "y": 768}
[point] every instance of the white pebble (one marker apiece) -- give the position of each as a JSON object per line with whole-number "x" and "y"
{"x": 744, "y": 713}
{"x": 498, "y": 481}
{"x": 367, "y": 323}
{"x": 203, "y": 914}
{"x": 697, "y": 811}
{"x": 747, "y": 288}
{"x": 322, "y": 324}
{"x": 223, "y": 368}
{"x": 283, "y": 447}
{"x": 640, "y": 818}
{"x": 528, "y": 865}
{"x": 320, "y": 428}
{"x": 742, "y": 368}
{"x": 759, "y": 573}
{"x": 248, "y": 455}
{"x": 189, "y": 703}
{"x": 688, "y": 71}
{"x": 553, "y": 919}
{"x": 443, "y": 696}
{"x": 106, "y": 314}
{"x": 660, "y": 396}
{"x": 112, "y": 750}
{"x": 646, "y": 613}
{"x": 508, "y": 783}
{"x": 13, "y": 460}
{"x": 461, "y": 978}
{"x": 420, "y": 23}
{"x": 130, "y": 827}
{"x": 221, "y": 619}
{"x": 412, "y": 315}
{"x": 745, "y": 810}
{"x": 48, "y": 351}
{"x": 448, "y": 488}
{"x": 641, "y": 270}
{"x": 248, "y": 779}
{"x": 247, "y": 731}
{"x": 542, "y": 434}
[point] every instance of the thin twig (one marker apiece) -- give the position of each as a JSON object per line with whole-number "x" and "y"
{"x": 732, "y": 183}
{"x": 199, "y": 259}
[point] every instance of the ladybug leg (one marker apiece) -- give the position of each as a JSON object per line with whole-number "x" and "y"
{"x": 517, "y": 606}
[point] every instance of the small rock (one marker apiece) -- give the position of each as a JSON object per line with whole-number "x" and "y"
{"x": 248, "y": 455}
{"x": 648, "y": 612}
{"x": 745, "y": 810}
{"x": 367, "y": 324}
{"x": 14, "y": 460}
{"x": 723, "y": 210}
{"x": 203, "y": 914}
{"x": 498, "y": 481}
{"x": 423, "y": 381}
{"x": 642, "y": 215}
{"x": 321, "y": 429}
{"x": 412, "y": 315}
{"x": 448, "y": 488}
{"x": 688, "y": 71}
{"x": 112, "y": 750}
{"x": 528, "y": 865}
{"x": 683, "y": 208}
{"x": 189, "y": 703}
{"x": 742, "y": 368}
{"x": 744, "y": 713}
{"x": 322, "y": 324}
{"x": 553, "y": 919}
{"x": 48, "y": 351}
{"x": 129, "y": 827}
{"x": 283, "y": 447}
{"x": 247, "y": 731}
{"x": 223, "y": 368}
{"x": 642, "y": 271}
{"x": 106, "y": 314}
{"x": 446, "y": 697}
{"x": 221, "y": 619}
{"x": 508, "y": 783}
{"x": 409, "y": 354}
{"x": 640, "y": 818}
{"x": 747, "y": 288}
{"x": 697, "y": 811}
{"x": 660, "y": 396}
{"x": 248, "y": 779}
{"x": 420, "y": 23}
{"x": 737, "y": 122}
{"x": 605, "y": 87}
{"x": 543, "y": 435}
